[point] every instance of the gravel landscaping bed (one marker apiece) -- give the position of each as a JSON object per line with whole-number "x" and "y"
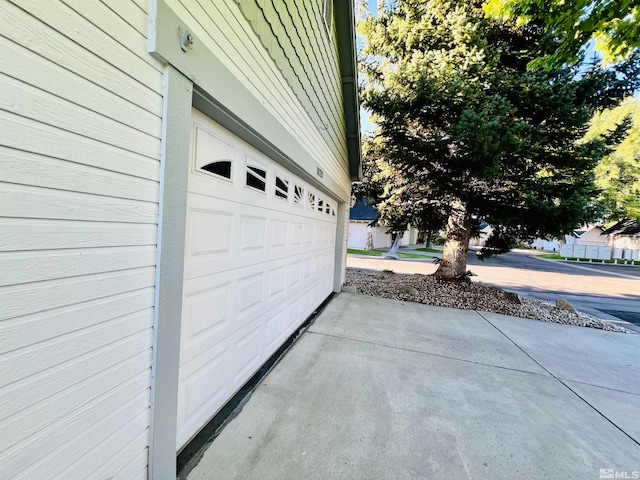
{"x": 466, "y": 295}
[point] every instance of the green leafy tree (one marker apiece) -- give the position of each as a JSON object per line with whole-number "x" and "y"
{"x": 399, "y": 199}
{"x": 618, "y": 174}
{"x": 466, "y": 129}
{"x": 614, "y": 24}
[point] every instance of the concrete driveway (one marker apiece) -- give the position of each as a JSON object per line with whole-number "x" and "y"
{"x": 383, "y": 389}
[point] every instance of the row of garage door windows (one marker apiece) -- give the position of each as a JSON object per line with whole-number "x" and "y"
{"x": 256, "y": 178}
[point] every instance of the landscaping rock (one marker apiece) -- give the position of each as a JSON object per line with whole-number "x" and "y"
{"x": 432, "y": 290}
{"x": 513, "y": 297}
{"x": 409, "y": 290}
{"x": 562, "y": 304}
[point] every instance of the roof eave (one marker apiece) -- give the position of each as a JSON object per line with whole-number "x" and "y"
{"x": 346, "y": 38}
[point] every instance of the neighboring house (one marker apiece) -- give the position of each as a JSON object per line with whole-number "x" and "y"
{"x": 624, "y": 235}
{"x": 360, "y": 217}
{"x": 175, "y": 186}
{"x": 481, "y": 240}
{"x": 552, "y": 245}
{"x": 410, "y": 236}
{"x": 585, "y": 235}
{"x": 590, "y": 235}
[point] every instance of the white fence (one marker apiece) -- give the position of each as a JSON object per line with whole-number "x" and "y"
{"x": 594, "y": 252}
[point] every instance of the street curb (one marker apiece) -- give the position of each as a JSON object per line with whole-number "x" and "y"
{"x": 580, "y": 267}
{"x": 427, "y": 260}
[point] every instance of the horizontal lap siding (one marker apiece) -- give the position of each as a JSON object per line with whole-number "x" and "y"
{"x": 295, "y": 77}
{"x": 80, "y": 125}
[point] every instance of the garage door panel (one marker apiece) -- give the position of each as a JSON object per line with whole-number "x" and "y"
{"x": 307, "y": 268}
{"x": 211, "y": 226}
{"x": 277, "y": 282}
{"x": 250, "y": 294}
{"x": 294, "y": 314}
{"x": 248, "y": 351}
{"x": 328, "y": 234}
{"x": 279, "y": 233}
{"x": 209, "y": 379}
{"x": 203, "y": 389}
{"x": 253, "y": 233}
{"x": 317, "y": 238}
{"x": 256, "y": 265}
{"x": 210, "y": 232}
{"x": 212, "y": 146}
{"x": 294, "y": 273}
{"x": 197, "y": 391}
{"x": 296, "y": 230}
{"x": 208, "y": 314}
{"x": 307, "y": 302}
{"x": 202, "y": 265}
{"x": 204, "y": 185}
{"x": 274, "y": 331}
{"x": 309, "y": 233}
{"x": 216, "y": 305}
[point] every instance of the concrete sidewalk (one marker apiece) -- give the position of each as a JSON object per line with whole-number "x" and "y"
{"x": 383, "y": 389}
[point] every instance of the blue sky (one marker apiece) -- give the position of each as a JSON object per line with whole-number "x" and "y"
{"x": 365, "y": 124}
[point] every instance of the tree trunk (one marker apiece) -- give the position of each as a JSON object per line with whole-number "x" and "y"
{"x": 456, "y": 246}
{"x": 393, "y": 252}
{"x": 429, "y": 241}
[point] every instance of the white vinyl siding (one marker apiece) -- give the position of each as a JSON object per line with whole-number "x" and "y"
{"x": 80, "y": 125}
{"x": 81, "y": 108}
{"x": 225, "y": 31}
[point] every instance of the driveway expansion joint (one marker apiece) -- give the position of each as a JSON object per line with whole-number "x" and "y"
{"x": 597, "y": 386}
{"x": 563, "y": 382}
{"x": 395, "y": 347}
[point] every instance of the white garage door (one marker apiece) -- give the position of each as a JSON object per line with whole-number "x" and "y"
{"x": 259, "y": 257}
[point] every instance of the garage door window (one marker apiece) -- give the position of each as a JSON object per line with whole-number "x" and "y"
{"x": 282, "y": 188}
{"x": 256, "y": 178}
{"x": 312, "y": 201}
{"x": 298, "y": 195}
{"x": 222, "y": 168}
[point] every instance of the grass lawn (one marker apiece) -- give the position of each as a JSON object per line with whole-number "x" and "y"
{"x": 555, "y": 256}
{"x": 432, "y": 250}
{"x": 378, "y": 253}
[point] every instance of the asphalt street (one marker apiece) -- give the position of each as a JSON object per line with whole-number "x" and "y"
{"x": 603, "y": 290}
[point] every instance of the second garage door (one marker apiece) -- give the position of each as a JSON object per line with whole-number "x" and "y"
{"x": 259, "y": 258}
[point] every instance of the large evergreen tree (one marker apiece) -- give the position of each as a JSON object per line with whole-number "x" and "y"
{"x": 400, "y": 200}
{"x": 471, "y": 132}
